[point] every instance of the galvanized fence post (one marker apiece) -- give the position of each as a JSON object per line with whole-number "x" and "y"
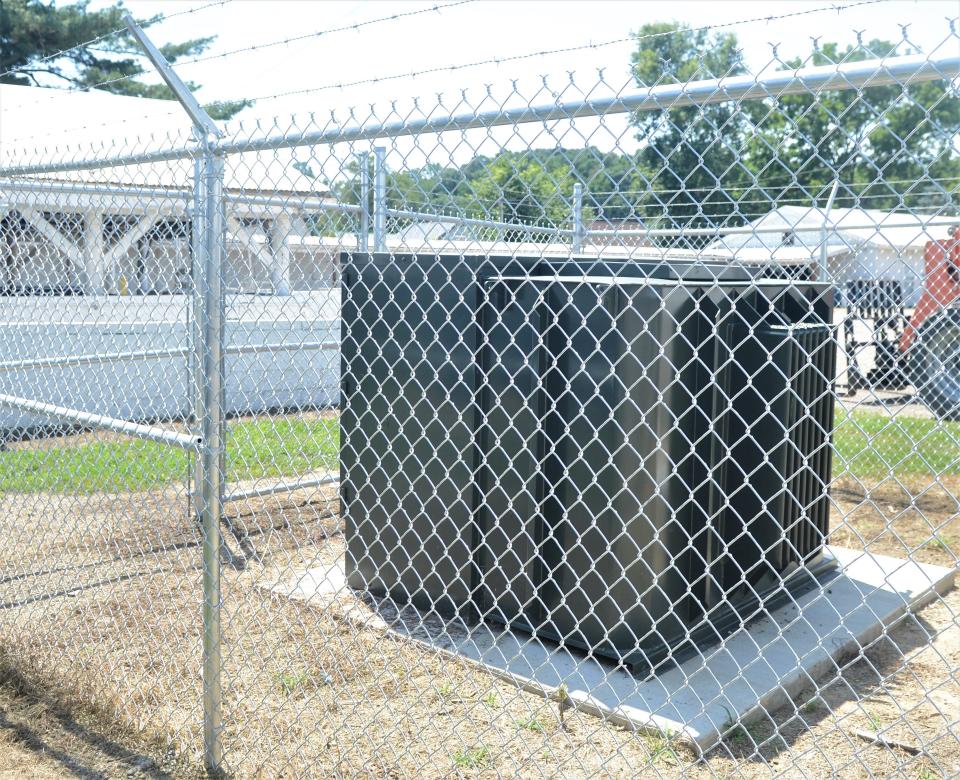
{"x": 209, "y": 225}
{"x": 210, "y": 392}
{"x": 380, "y": 199}
{"x": 824, "y": 275}
{"x": 577, "y": 218}
{"x": 363, "y": 243}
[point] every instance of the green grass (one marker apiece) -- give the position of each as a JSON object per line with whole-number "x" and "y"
{"x": 866, "y": 445}
{"x": 812, "y": 705}
{"x": 290, "y": 682}
{"x": 661, "y": 747}
{"x": 257, "y": 448}
{"x": 474, "y": 758}
{"x": 530, "y": 724}
{"x": 872, "y": 444}
{"x": 301, "y": 681}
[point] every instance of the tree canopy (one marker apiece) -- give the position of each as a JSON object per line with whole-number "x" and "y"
{"x": 33, "y": 33}
{"x": 888, "y": 147}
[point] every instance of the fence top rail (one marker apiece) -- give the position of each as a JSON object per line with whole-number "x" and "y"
{"x": 854, "y": 75}
{"x": 905, "y": 70}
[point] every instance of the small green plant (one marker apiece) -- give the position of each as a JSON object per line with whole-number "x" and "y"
{"x": 812, "y": 705}
{"x": 490, "y": 699}
{"x": 447, "y": 690}
{"x": 741, "y": 735}
{"x": 301, "y": 680}
{"x": 563, "y": 702}
{"x": 472, "y": 758}
{"x": 291, "y": 682}
{"x": 873, "y": 720}
{"x": 661, "y": 747}
{"x": 738, "y": 735}
{"x": 531, "y": 724}
{"x": 940, "y": 542}
{"x": 926, "y": 773}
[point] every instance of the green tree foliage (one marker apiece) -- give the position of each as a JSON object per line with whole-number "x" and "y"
{"x": 730, "y": 162}
{"x": 888, "y": 147}
{"x": 690, "y": 157}
{"x": 32, "y": 32}
{"x": 532, "y": 187}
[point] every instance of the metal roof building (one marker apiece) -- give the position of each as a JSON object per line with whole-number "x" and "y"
{"x": 126, "y": 228}
{"x": 860, "y": 244}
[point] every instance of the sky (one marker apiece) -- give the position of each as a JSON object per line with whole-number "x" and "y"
{"x": 467, "y": 32}
{"x": 293, "y": 71}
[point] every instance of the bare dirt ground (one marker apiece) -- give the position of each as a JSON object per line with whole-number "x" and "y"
{"x": 100, "y": 625}
{"x": 41, "y": 741}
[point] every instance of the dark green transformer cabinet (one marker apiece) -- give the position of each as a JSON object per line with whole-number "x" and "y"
{"x": 629, "y": 458}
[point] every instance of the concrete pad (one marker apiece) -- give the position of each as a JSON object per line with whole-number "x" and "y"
{"x": 755, "y": 670}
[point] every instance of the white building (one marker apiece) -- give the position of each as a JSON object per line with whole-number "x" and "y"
{"x": 121, "y": 237}
{"x": 861, "y": 244}
{"x": 125, "y": 229}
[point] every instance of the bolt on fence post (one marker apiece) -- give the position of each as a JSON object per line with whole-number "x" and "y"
{"x": 363, "y": 238}
{"x": 577, "y": 218}
{"x": 207, "y": 243}
{"x": 380, "y": 199}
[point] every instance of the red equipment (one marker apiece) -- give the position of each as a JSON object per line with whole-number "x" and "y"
{"x": 930, "y": 344}
{"x": 941, "y": 284}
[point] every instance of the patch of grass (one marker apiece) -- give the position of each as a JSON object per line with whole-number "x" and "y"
{"x": 446, "y": 690}
{"x": 661, "y": 747}
{"x": 940, "y": 542}
{"x": 871, "y": 444}
{"x": 745, "y": 736}
{"x": 299, "y": 680}
{"x": 257, "y": 448}
{"x": 490, "y": 699}
{"x": 472, "y": 758}
{"x": 812, "y": 705}
{"x": 291, "y": 682}
{"x": 738, "y": 735}
{"x": 866, "y": 444}
{"x": 282, "y": 445}
{"x": 531, "y": 724}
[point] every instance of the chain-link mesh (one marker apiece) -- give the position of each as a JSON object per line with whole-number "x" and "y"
{"x": 601, "y": 428}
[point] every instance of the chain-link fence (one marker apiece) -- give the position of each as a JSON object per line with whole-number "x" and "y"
{"x": 604, "y": 429}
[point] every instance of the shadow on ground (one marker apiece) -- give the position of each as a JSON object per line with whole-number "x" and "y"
{"x": 39, "y": 739}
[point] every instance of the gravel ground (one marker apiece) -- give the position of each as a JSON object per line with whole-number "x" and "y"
{"x": 102, "y": 615}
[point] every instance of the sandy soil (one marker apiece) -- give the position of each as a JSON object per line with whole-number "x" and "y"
{"x": 101, "y": 615}
{"x": 40, "y": 741}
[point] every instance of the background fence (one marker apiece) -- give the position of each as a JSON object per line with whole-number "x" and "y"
{"x": 299, "y": 417}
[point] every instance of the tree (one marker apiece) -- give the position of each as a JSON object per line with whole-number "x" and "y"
{"x": 33, "y": 33}
{"x": 690, "y": 157}
{"x": 888, "y": 147}
{"x": 532, "y": 187}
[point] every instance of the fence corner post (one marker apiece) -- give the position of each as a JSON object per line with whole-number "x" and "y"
{"x": 207, "y": 245}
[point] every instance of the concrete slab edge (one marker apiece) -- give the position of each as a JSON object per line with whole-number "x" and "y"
{"x": 788, "y": 690}
{"x": 699, "y": 737}
{"x": 701, "y": 742}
